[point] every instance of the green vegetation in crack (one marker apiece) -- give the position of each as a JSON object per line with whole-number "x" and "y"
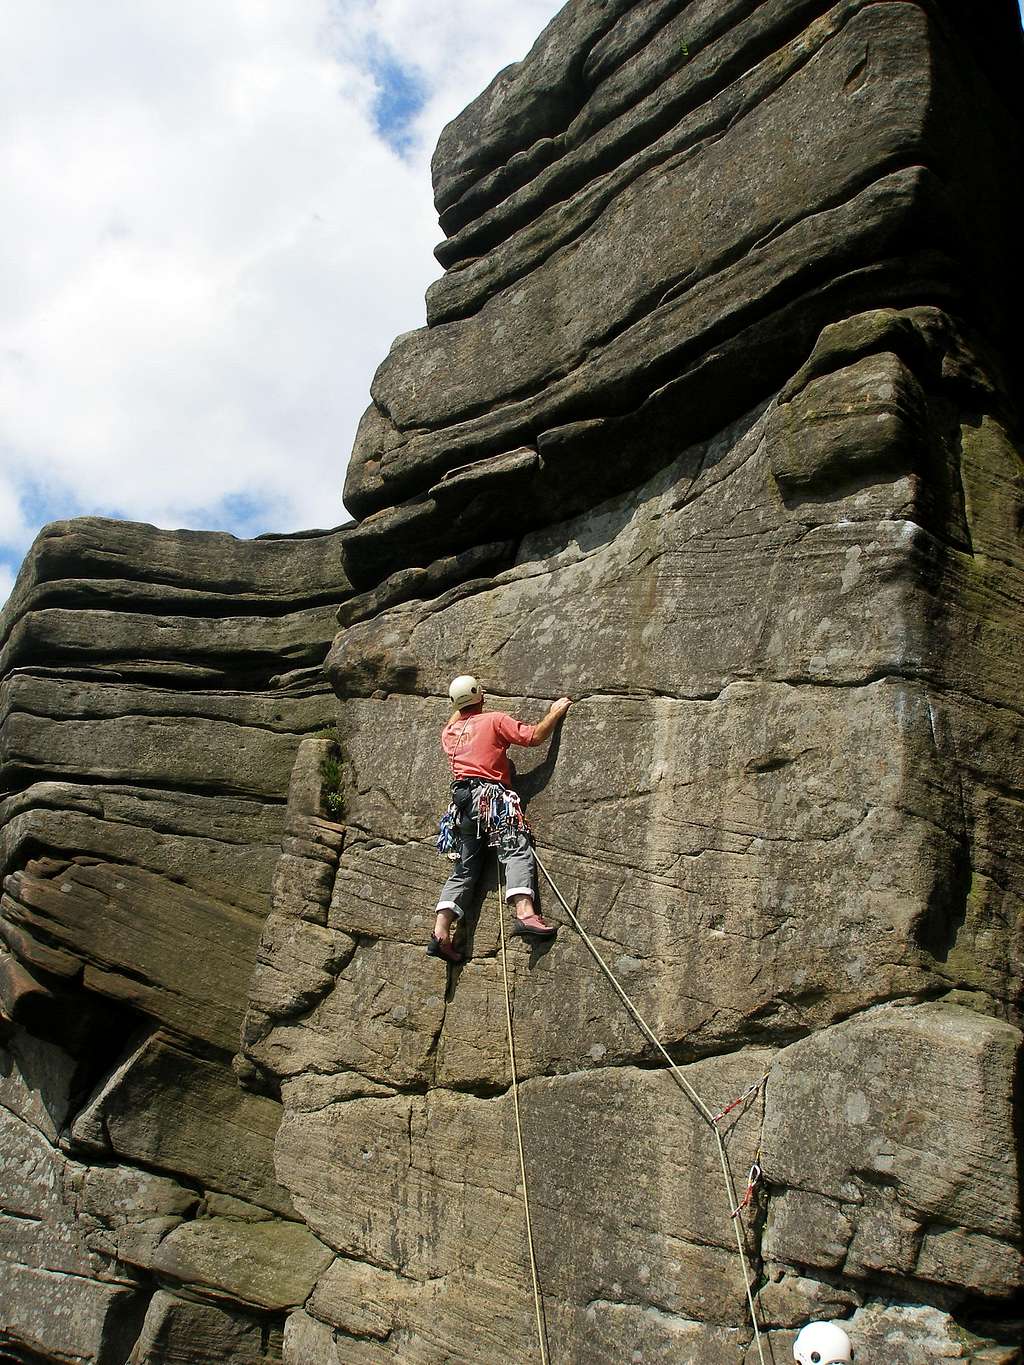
{"x": 332, "y": 772}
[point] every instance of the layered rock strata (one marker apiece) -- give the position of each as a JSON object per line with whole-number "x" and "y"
{"x": 156, "y": 687}
{"x": 714, "y": 426}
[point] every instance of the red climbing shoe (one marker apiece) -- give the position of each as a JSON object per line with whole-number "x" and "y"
{"x": 532, "y": 926}
{"x": 440, "y": 947}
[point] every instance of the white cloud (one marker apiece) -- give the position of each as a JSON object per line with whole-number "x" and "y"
{"x": 13, "y": 526}
{"x": 208, "y": 247}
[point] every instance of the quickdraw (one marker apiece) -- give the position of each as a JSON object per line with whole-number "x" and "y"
{"x": 750, "y": 1091}
{"x": 500, "y": 812}
{"x": 446, "y": 827}
{"x": 753, "y": 1180}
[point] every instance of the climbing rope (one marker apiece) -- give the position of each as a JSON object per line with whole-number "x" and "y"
{"x": 537, "y": 1303}
{"x": 709, "y": 1118}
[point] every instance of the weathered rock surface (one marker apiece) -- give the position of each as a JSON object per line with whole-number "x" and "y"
{"x": 156, "y": 688}
{"x": 715, "y": 426}
{"x": 178, "y": 1330}
{"x": 922, "y": 1185}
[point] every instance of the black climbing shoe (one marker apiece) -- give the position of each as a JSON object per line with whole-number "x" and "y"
{"x": 533, "y": 927}
{"x": 439, "y": 947}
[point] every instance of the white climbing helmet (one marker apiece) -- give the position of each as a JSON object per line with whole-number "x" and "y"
{"x": 465, "y": 691}
{"x": 819, "y": 1343}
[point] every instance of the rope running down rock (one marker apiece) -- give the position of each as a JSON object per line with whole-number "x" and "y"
{"x": 705, "y": 1113}
{"x": 538, "y": 1305}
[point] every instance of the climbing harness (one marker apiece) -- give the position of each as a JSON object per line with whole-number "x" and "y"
{"x": 537, "y": 1301}
{"x": 498, "y": 813}
{"x": 712, "y": 1120}
{"x": 496, "y": 808}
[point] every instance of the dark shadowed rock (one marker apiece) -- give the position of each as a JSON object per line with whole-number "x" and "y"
{"x": 176, "y": 1329}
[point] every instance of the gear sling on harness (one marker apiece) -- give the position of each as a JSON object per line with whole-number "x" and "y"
{"x": 497, "y": 810}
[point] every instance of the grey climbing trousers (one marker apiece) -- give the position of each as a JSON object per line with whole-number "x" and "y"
{"x": 517, "y": 865}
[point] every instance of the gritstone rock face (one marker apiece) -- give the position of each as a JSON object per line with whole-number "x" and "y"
{"x": 714, "y": 426}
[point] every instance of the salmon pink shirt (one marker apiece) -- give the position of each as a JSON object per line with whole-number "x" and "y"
{"x": 477, "y": 744}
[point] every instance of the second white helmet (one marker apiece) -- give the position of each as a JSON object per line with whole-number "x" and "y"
{"x": 820, "y": 1343}
{"x": 465, "y": 691}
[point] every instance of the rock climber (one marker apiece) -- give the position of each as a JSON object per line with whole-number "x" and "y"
{"x": 485, "y": 810}
{"x": 821, "y": 1343}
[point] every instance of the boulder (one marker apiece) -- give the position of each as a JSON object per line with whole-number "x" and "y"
{"x": 58, "y": 1299}
{"x": 176, "y": 1330}
{"x": 204, "y": 1129}
{"x": 271, "y": 1264}
{"x": 655, "y": 1242}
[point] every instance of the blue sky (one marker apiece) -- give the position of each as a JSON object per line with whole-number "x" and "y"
{"x": 221, "y": 217}
{"x": 399, "y": 99}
